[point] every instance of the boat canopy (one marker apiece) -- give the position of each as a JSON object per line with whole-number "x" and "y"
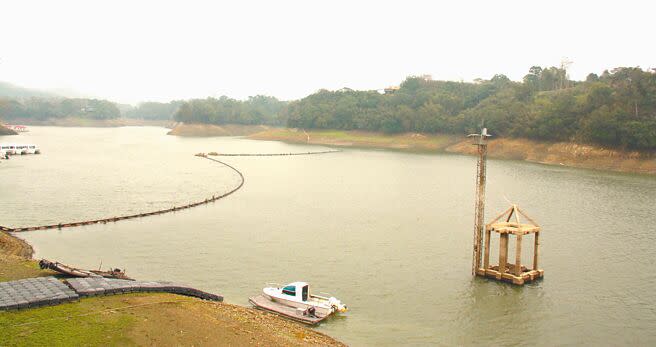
{"x": 300, "y": 290}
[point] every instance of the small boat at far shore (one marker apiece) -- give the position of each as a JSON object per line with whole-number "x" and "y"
{"x": 19, "y": 149}
{"x": 295, "y": 301}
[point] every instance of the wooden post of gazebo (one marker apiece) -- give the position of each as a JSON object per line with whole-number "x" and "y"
{"x": 511, "y": 272}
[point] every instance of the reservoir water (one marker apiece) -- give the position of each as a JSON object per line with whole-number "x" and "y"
{"x": 388, "y": 233}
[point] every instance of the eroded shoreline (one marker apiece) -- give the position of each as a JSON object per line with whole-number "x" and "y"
{"x": 560, "y": 153}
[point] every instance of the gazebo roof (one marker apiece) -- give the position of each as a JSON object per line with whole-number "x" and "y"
{"x": 502, "y": 224}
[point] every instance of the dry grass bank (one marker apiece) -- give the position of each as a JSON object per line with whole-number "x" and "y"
{"x": 143, "y": 319}
{"x": 563, "y": 153}
{"x": 566, "y": 154}
{"x": 344, "y": 138}
{"x": 205, "y": 130}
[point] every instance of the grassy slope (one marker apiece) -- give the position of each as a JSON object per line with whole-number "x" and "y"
{"x": 202, "y": 130}
{"x": 138, "y": 319}
{"x": 15, "y": 260}
{"x": 568, "y": 154}
{"x": 151, "y": 319}
{"x": 406, "y": 141}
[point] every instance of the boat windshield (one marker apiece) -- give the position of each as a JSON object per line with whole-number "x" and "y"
{"x": 289, "y": 290}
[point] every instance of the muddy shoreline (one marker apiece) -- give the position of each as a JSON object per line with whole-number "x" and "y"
{"x": 560, "y": 153}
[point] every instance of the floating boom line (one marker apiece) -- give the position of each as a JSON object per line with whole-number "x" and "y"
{"x": 139, "y": 215}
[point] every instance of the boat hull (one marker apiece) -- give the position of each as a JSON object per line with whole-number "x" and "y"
{"x": 265, "y": 303}
{"x": 319, "y": 310}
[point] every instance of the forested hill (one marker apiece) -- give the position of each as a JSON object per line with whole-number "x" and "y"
{"x": 616, "y": 109}
{"x": 48, "y": 108}
{"x": 153, "y": 110}
{"x": 24, "y": 103}
{"x": 8, "y": 90}
{"x": 52, "y": 108}
{"x": 256, "y": 110}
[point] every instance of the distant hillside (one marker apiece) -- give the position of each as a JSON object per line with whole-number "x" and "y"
{"x": 8, "y": 90}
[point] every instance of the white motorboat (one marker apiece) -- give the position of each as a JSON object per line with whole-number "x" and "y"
{"x": 297, "y": 295}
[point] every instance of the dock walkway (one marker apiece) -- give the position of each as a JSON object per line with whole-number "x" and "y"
{"x": 34, "y": 292}
{"x": 92, "y": 286}
{"x": 48, "y": 291}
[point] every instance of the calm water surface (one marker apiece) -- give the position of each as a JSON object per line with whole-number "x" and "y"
{"x": 388, "y": 233}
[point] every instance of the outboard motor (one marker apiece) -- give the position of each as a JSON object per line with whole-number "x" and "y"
{"x": 337, "y": 305}
{"x": 310, "y": 312}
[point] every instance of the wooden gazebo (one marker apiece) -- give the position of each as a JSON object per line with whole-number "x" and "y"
{"x": 515, "y": 272}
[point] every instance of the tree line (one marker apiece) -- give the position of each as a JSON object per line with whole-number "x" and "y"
{"x": 153, "y": 110}
{"x": 258, "y": 109}
{"x": 616, "y": 108}
{"x": 46, "y": 108}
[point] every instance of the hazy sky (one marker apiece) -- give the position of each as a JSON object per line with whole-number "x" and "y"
{"x": 129, "y": 51}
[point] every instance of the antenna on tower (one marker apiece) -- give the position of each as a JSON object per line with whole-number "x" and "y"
{"x": 480, "y": 140}
{"x": 564, "y": 65}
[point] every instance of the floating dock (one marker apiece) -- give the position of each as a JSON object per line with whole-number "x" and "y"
{"x": 48, "y": 291}
{"x": 94, "y": 286}
{"x": 295, "y": 314}
{"x": 34, "y": 292}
